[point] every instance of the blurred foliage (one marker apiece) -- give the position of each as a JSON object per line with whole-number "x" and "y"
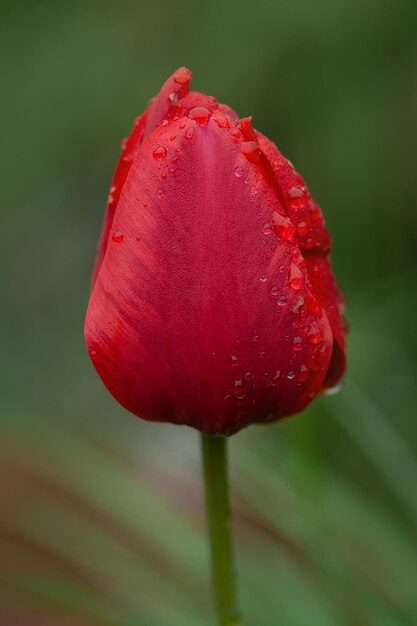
{"x": 101, "y": 518}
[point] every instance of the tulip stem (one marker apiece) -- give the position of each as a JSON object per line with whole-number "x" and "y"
{"x": 219, "y": 522}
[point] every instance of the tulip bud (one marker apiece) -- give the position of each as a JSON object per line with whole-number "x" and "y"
{"x": 213, "y": 301}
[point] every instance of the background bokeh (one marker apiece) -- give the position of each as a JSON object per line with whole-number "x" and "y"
{"x": 101, "y": 515}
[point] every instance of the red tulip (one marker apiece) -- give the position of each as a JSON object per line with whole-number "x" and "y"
{"x": 213, "y": 301}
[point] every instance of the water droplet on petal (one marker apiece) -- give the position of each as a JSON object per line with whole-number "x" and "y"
{"x": 274, "y": 291}
{"x": 283, "y": 227}
{"x": 297, "y": 197}
{"x": 248, "y": 376}
{"x": 235, "y": 133}
{"x": 251, "y": 150}
{"x": 221, "y": 120}
{"x": 276, "y": 377}
{"x": 267, "y": 229}
{"x": 239, "y": 172}
{"x": 296, "y": 344}
{"x": 282, "y": 300}
{"x": 93, "y": 356}
{"x": 262, "y": 354}
{"x": 314, "y": 338}
{"x": 235, "y": 360}
{"x": 263, "y": 278}
{"x": 200, "y": 114}
{"x": 291, "y": 375}
{"x": 296, "y": 278}
{"x": 303, "y": 375}
{"x": 117, "y": 237}
{"x": 302, "y": 229}
{"x": 159, "y": 153}
{"x": 160, "y": 194}
{"x": 190, "y": 132}
{"x": 182, "y": 75}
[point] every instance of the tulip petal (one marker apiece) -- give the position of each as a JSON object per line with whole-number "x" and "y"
{"x": 198, "y": 314}
{"x": 301, "y": 209}
{"x": 130, "y": 148}
{"x": 332, "y": 299}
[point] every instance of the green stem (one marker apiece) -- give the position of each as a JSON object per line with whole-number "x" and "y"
{"x": 220, "y": 529}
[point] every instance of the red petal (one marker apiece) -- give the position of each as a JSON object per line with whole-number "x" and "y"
{"x": 168, "y": 101}
{"x": 325, "y": 288}
{"x": 301, "y": 209}
{"x": 130, "y": 148}
{"x": 198, "y": 314}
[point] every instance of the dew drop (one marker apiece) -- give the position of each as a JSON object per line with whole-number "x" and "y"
{"x": 235, "y": 360}
{"x": 297, "y": 197}
{"x": 117, "y": 237}
{"x": 302, "y": 229}
{"x": 248, "y": 376}
{"x": 276, "y": 378}
{"x": 283, "y": 227}
{"x": 159, "y": 153}
{"x": 93, "y": 356}
{"x": 263, "y": 278}
{"x": 296, "y": 278}
{"x": 256, "y": 338}
{"x": 303, "y": 375}
{"x": 221, "y": 120}
{"x": 315, "y": 213}
{"x": 182, "y": 75}
{"x": 274, "y": 291}
{"x": 282, "y": 300}
{"x": 296, "y": 344}
{"x": 291, "y": 375}
{"x": 251, "y": 151}
{"x": 239, "y": 172}
{"x": 314, "y": 338}
{"x": 182, "y": 124}
{"x": 200, "y": 114}
{"x": 267, "y": 229}
{"x": 173, "y": 137}
{"x": 279, "y": 164}
{"x": 160, "y": 194}
{"x": 262, "y": 354}
{"x": 190, "y": 132}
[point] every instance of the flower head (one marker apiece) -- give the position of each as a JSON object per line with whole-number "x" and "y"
{"x": 213, "y": 301}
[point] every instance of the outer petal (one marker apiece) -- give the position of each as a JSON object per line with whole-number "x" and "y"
{"x": 304, "y": 213}
{"x": 314, "y": 241}
{"x": 197, "y": 315}
{"x": 325, "y": 287}
{"x": 130, "y": 149}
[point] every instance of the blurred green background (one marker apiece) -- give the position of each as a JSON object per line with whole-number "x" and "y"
{"x": 101, "y": 515}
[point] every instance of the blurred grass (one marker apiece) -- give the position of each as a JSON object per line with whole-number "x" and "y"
{"x": 101, "y": 516}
